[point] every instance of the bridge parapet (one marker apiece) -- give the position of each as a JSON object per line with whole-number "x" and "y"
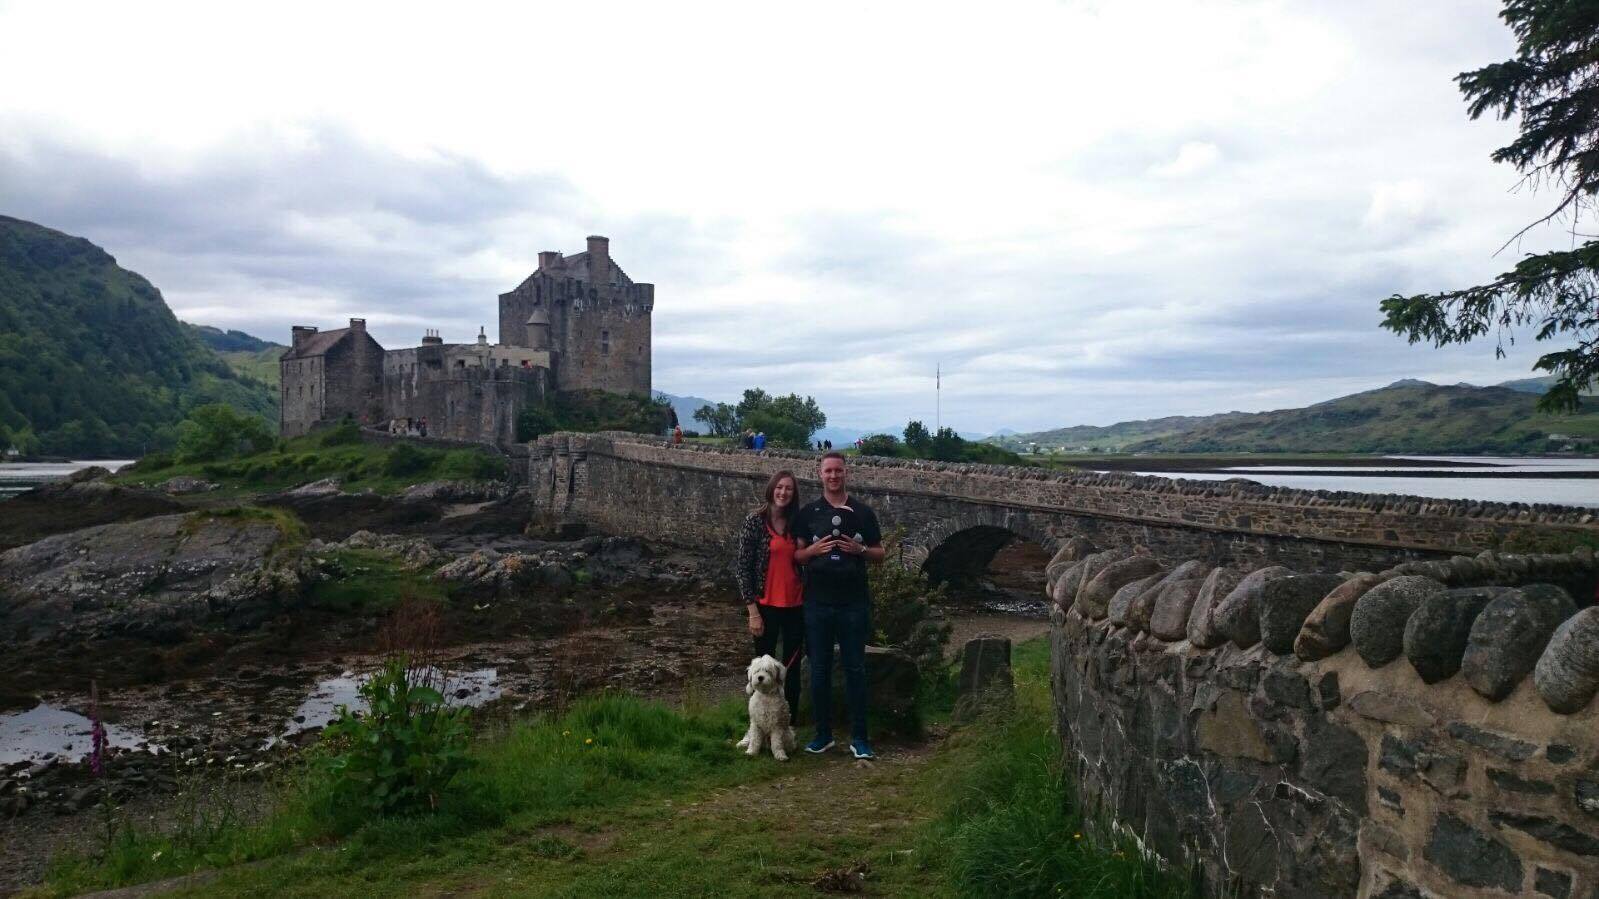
{"x": 694, "y": 494}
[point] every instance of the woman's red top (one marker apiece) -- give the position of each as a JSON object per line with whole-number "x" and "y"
{"x": 782, "y": 578}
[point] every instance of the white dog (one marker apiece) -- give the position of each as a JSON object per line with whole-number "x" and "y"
{"x": 769, "y": 720}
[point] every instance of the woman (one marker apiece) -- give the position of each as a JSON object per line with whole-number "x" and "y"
{"x": 769, "y": 581}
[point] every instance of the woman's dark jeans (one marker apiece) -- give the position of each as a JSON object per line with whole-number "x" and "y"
{"x": 789, "y": 623}
{"x": 848, "y": 624}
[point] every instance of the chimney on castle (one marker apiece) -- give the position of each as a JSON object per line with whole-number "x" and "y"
{"x": 548, "y": 260}
{"x": 431, "y": 337}
{"x": 482, "y": 336}
{"x": 301, "y": 334}
{"x": 357, "y": 324}
{"x": 599, "y": 259}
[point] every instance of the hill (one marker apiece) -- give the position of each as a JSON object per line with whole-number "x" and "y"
{"x": 1110, "y": 438}
{"x": 92, "y": 362}
{"x": 1407, "y": 416}
{"x": 246, "y": 354}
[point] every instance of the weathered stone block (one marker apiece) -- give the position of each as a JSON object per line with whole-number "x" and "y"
{"x": 1201, "y": 629}
{"x": 1509, "y": 636}
{"x": 1284, "y": 604}
{"x": 1436, "y": 634}
{"x": 1229, "y": 730}
{"x": 985, "y": 680}
{"x": 1326, "y": 629}
{"x": 1556, "y": 833}
{"x": 1552, "y": 883}
{"x": 1377, "y": 626}
{"x": 1506, "y": 747}
{"x": 1095, "y": 595}
{"x": 1567, "y": 674}
{"x": 1334, "y": 760}
{"x": 1170, "y": 606}
{"x": 1237, "y": 615}
{"x": 1471, "y": 857}
{"x": 1120, "y": 605}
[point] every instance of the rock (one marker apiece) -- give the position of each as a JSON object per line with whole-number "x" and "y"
{"x": 87, "y": 474}
{"x": 1237, "y": 615}
{"x": 82, "y": 798}
{"x": 1567, "y": 674}
{"x": 185, "y": 484}
{"x": 1073, "y": 581}
{"x": 1377, "y": 625}
{"x": 1121, "y": 604}
{"x": 1202, "y": 630}
{"x": 1062, "y": 592}
{"x": 1326, "y": 628}
{"x": 71, "y": 505}
{"x": 154, "y": 578}
{"x": 1435, "y": 636}
{"x": 456, "y": 492}
{"x": 985, "y": 680}
{"x": 1075, "y": 549}
{"x": 1285, "y": 602}
{"x": 324, "y": 487}
{"x": 1471, "y": 857}
{"x": 1093, "y": 599}
{"x": 1510, "y": 634}
{"x": 1164, "y": 611}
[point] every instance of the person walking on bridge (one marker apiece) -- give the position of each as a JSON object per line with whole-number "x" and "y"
{"x": 840, "y": 535}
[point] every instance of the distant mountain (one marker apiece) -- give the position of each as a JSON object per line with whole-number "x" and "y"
{"x": 685, "y": 407}
{"x": 247, "y": 355}
{"x": 92, "y": 362}
{"x": 1109, "y": 438}
{"x": 1408, "y": 416}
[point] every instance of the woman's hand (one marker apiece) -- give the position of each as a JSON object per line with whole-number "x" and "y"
{"x": 757, "y": 626}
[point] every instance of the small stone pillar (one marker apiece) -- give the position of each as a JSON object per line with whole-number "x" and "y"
{"x": 985, "y": 678}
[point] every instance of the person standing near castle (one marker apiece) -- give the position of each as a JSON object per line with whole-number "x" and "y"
{"x": 840, "y": 535}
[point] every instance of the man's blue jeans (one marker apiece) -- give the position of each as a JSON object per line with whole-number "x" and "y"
{"x": 848, "y": 624}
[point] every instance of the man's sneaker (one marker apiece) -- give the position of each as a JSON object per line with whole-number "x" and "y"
{"x": 819, "y": 745}
{"x": 862, "y": 749}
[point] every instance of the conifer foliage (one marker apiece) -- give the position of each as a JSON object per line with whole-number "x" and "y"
{"x": 1552, "y": 84}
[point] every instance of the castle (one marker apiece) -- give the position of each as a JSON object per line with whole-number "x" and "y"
{"x": 578, "y": 322}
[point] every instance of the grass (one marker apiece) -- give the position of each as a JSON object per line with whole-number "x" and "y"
{"x": 626, "y": 797}
{"x": 367, "y": 581}
{"x": 327, "y": 454}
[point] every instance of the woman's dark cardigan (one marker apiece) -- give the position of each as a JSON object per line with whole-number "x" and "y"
{"x": 754, "y": 552}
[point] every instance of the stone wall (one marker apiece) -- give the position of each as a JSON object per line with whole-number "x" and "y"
{"x": 465, "y": 391}
{"x": 600, "y": 333}
{"x": 1407, "y": 733}
{"x": 634, "y": 485}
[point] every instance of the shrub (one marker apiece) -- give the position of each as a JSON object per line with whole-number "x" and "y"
{"x": 902, "y": 608}
{"x": 342, "y": 434}
{"x": 155, "y": 462}
{"x": 471, "y": 465}
{"x": 399, "y": 756}
{"x": 880, "y": 445}
{"x": 218, "y": 431}
{"x": 404, "y": 459}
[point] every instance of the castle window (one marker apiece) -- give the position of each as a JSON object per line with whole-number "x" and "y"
{"x": 605, "y": 343}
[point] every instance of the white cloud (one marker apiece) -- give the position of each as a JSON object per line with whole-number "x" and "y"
{"x": 824, "y": 207}
{"x": 1192, "y": 157}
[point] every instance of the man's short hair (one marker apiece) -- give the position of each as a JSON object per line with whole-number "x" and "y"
{"x": 833, "y": 454}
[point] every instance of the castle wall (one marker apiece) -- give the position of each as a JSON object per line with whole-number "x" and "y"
{"x": 465, "y": 391}
{"x": 301, "y": 387}
{"x": 353, "y": 375}
{"x": 601, "y": 333}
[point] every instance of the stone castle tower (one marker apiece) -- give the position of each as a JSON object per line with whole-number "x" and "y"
{"x": 591, "y": 317}
{"x": 578, "y": 322}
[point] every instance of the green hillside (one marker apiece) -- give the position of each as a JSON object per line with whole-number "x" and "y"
{"x": 1109, "y": 438}
{"x": 247, "y": 355}
{"x": 1404, "y": 417}
{"x": 92, "y": 362}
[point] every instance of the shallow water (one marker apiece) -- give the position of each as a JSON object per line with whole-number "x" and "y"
{"x": 467, "y": 689}
{"x": 50, "y": 731}
{"x": 18, "y": 477}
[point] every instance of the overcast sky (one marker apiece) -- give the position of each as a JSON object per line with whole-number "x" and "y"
{"x": 1085, "y": 211}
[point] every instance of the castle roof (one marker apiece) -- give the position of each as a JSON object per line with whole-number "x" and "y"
{"x": 577, "y": 266}
{"x": 317, "y": 344}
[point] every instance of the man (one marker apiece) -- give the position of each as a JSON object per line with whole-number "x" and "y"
{"x": 840, "y": 535}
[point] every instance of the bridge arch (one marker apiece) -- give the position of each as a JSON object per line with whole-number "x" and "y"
{"x": 961, "y": 546}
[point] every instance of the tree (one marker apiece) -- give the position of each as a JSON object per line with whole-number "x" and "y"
{"x": 218, "y": 431}
{"x": 880, "y": 445}
{"x": 1553, "y": 84}
{"x": 917, "y": 436}
{"x": 947, "y": 446}
{"x": 786, "y": 420}
{"x": 721, "y": 419}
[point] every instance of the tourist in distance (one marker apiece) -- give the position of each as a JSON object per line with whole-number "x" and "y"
{"x": 840, "y": 535}
{"x": 769, "y": 581}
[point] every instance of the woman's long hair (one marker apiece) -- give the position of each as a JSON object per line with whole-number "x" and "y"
{"x": 765, "y": 508}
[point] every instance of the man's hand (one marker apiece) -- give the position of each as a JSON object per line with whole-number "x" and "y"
{"x": 807, "y": 553}
{"x": 856, "y": 548}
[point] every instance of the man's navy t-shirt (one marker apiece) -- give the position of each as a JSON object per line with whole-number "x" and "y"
{"x": 837, "y": 577}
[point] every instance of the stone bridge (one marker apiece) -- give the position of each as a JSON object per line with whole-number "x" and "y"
{"x": 956, "y": 516}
